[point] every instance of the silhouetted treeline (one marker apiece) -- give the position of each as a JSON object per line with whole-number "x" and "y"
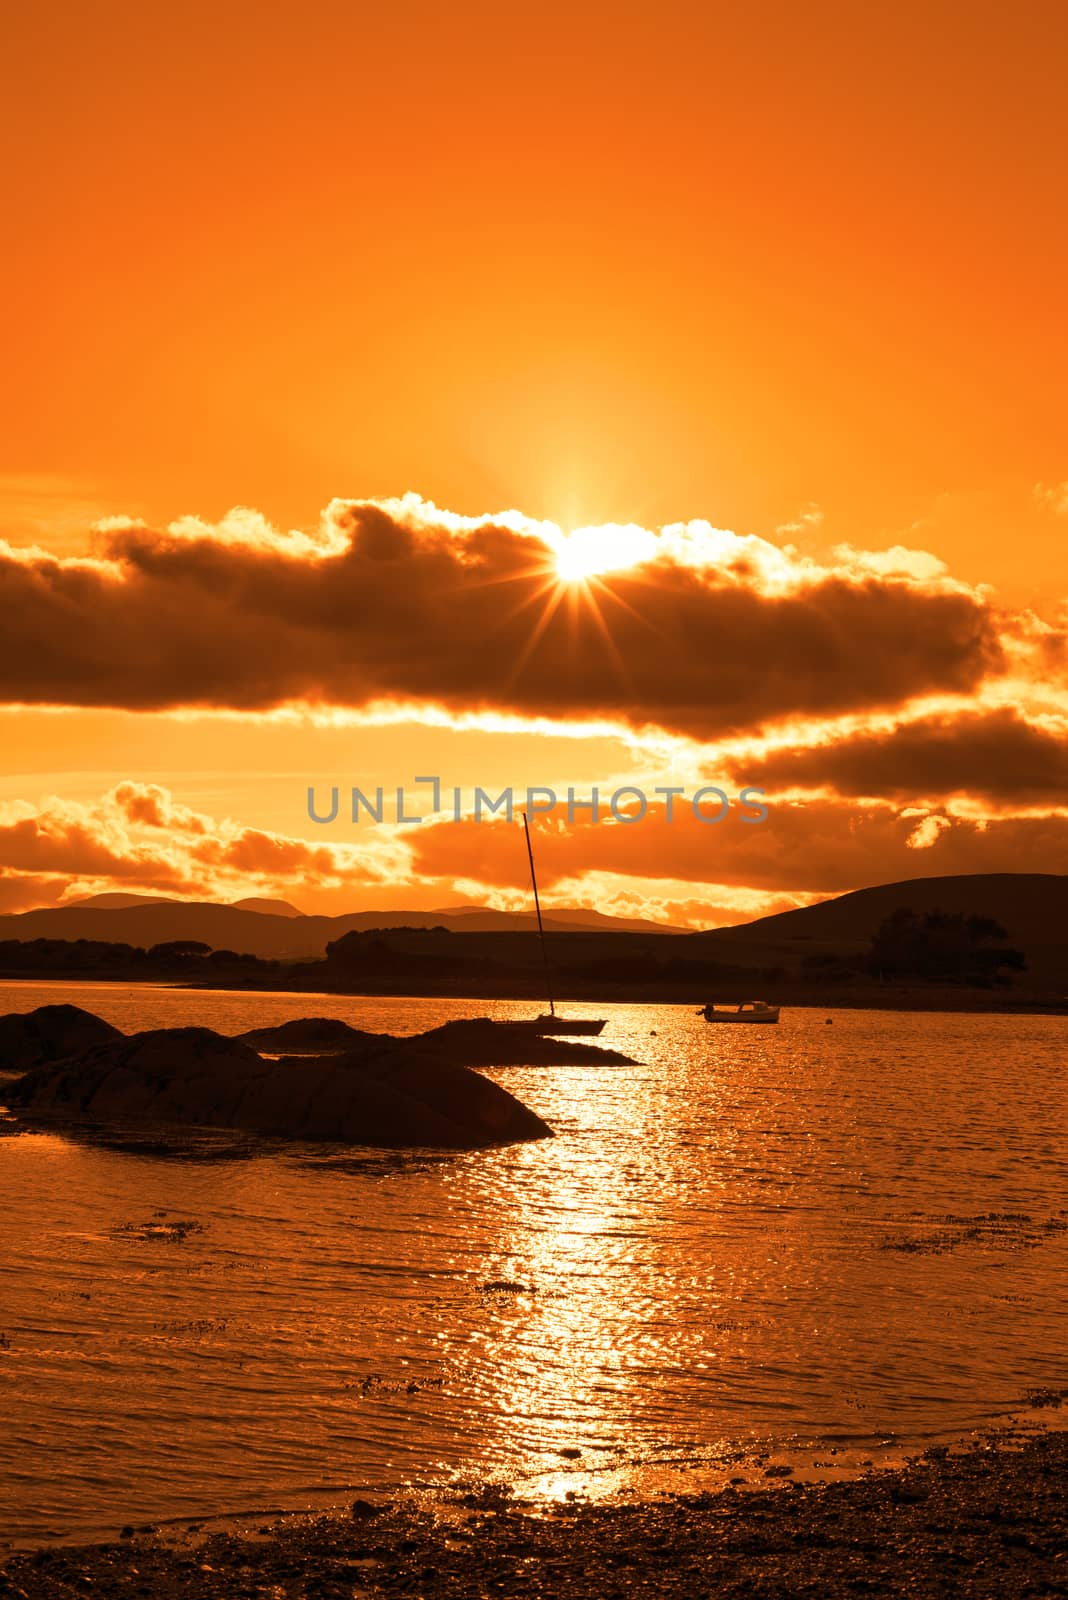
{"x": 943, "y": 946}
{"x": 180, "y": 958}
{"x": 909, "y": 955}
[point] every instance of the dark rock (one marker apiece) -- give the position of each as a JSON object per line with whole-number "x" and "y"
{"x": 387, "y": 1093}
{"x": 183, "y": 1075}
{"x": 51, "y": 1033}
{"x": 482, "y": 1042}
{"x": 466, "y": 1042}
{"x": 310, "y": 1035}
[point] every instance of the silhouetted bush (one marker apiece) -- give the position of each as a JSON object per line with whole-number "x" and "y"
{"x": 944, "y": 946}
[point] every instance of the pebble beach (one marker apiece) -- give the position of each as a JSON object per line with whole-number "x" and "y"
{"x": 989, "y": 1523}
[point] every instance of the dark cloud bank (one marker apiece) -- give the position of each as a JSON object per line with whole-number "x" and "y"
{"x": 420, "y": 614}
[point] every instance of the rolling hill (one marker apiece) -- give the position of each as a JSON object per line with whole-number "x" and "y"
{"x": 810, "y": 955}
{"x": 1032, "y": 907}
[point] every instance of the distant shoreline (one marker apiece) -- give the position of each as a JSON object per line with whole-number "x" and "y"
{"x": 810, "y": 997}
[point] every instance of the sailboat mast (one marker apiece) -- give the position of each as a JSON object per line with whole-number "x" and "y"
{"x": 537, "y": 908}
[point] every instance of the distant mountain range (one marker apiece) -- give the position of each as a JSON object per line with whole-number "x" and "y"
{"x": 816, "y": 955}
{"x": 118, "y": 902}
{"x": 274, "y": 927}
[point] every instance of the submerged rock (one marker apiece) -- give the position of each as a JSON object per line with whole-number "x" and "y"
{"x": 307, "y": 1035}
{"x": 388, "y": 1092}
{"x": 484, "y": 1042}
{"x": 466, "y": 1042}
{"x": 51, "y": 1033}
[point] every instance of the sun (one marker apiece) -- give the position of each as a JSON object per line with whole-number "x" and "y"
{"x": 588, "y": 552}
{"x": 571, "y": 575}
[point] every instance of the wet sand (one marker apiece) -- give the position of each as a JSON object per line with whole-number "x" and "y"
{"x": 990, "y": 1523}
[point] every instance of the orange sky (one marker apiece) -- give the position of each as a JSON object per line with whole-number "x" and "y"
{"x": 793, "y": 271}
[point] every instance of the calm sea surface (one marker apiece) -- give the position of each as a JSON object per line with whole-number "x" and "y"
{"x": 809, "y": 1237}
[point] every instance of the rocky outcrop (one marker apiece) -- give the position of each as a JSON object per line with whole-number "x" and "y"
{"x": 388, "y": 1092}
{"x": 482, "y": 1042}
{"x": 51, "y": 1033}
{"x": 466, "y": 1042}
{"x": 308, "y": 1036}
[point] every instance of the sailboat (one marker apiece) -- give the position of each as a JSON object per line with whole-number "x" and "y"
{"x": 549, "y": 1022}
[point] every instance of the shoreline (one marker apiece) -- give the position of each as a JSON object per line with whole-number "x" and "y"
{"x": 990, "y": 1520}
{"x": 944, "y": 1002}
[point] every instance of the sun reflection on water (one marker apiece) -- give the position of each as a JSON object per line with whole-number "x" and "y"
{"x": 735, "y": 1244}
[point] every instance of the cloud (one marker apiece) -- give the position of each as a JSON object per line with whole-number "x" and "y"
{"x": 137, "y": 838}
{"x": 928, "y": 832}
{"x": 808, "y": 518}
{"x": 999, "y": 756}
{"x": 806, "y": 848}
{"x": 709, "y": 633}
{"x": 684, "y": 903}
{"x": 897, "y": 562}
{"x": 1053, "y": 497}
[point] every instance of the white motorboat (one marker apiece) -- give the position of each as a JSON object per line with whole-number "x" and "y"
{"x": 748, "y": 1011}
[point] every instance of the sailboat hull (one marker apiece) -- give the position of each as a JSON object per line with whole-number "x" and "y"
{"x": 568, "y": 1025}
{"x": 562, "y": 1025}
